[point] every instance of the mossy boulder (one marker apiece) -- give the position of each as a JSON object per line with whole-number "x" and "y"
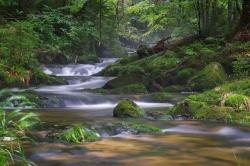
{"x": 127, "y": 108}
{"x": 126, "y": 79}
{"x": 138, "y": 128}
{"x": 227, "y": 103}
{"x": 211, "y": 76}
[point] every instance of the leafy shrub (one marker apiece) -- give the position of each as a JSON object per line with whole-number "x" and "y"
{"x": 18, "y": 42}
{"x": 241, "y": 67}
{"x": 17, "y": 45}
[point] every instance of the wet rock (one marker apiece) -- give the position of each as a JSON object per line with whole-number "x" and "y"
{"x": 127, "y": 108}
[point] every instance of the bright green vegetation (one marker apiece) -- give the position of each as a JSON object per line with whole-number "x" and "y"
{"x": 127, "y": 109}
{"x": 14, "y": 128}
{"x": 53, "y": 32}
{"x": 228, "y": 103}
{"x": 78, "y": 134}
{"x": 207, "y": 52}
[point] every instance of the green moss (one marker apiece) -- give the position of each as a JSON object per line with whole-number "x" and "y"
{"x": 208, "y": 97}
{"x": 126, "y": 79}
{"x": 40, "y": 78}
{"x": 160, "y": 96}
{"x": 128, "y": 89}
{"x": 117, "y": 67}
{"x": 184, "y": 74}
{"x": 225, "y": 103}
{"x": 212, "y": 75}
{"x": 140, "y": 128}
{"x": 141, "y": 71}
{"x": 131, "y": 89}
{"x": 127, "y": 108}
{"x": 176, "y": 88}
{"x": 78, "y": 134}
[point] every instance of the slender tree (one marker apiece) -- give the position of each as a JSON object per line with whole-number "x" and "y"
{"x": 245, "y": 17}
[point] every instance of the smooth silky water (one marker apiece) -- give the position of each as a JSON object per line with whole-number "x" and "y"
{"x": 181, "y": 142}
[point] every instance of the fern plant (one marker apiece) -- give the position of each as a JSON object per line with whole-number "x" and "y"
{"x": 14, "y": 127}
{"x": 78, "y": 134}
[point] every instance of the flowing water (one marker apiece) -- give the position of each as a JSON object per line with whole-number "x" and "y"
{"x": 181, "y": 142}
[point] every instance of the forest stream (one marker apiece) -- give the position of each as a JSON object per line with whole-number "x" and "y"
{"x": 124, "y": 82}
{"x": 181, "y": 142}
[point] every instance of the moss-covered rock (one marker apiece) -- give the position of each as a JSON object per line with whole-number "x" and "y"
{"x": 211, "y": 76}
{"x": 140, "y": 128}
{"x": 227, "y": 103}
{"x": 126, "y": 79}
{"x": 131, "y": 127}
{"x": 127, "y": 108}
{"x": 183, "y": 75}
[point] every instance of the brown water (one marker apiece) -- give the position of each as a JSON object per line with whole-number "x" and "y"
{"x": 182, "y": 143}
{"x": 190, "y": 143}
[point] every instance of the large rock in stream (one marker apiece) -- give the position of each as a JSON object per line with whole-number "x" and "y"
{"x": 127, "y": 109}
{"x": 209, "y": 77}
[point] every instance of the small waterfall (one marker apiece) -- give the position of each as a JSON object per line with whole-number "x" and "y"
{"x": 78, "y": 69}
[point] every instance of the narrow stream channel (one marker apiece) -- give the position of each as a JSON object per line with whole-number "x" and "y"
{"x": 181, "y": 143}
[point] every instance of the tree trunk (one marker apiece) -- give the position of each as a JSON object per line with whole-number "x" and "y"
{"x": 245, "y": 17}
